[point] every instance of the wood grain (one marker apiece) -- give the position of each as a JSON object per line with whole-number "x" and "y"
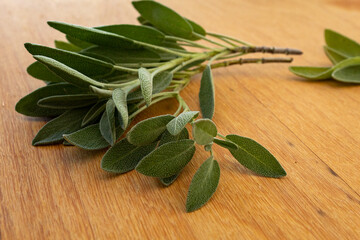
{"x": 313, "y": 129}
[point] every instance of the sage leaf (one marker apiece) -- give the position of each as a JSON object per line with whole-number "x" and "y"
{"x": 168, "y": 159}
{"x": 94, "y": 112}
{"x": 164, "y": 18}
{"x": 107, "y": 123}
{"x": 148, "y": 130}
{"x": 207, "y": 94}
{"x": 84, "y": 64}
{"x": 123, "y": 156}
{"x": 40, "y": 71}
{"x": 146, "y": 82}
{"x": 204, "y": 131}
{"x": 203, "y": 185}
{"x": 28, "y": 105}
{"x": 169, "y": 180}
{"x": 53, "y": 131}
{"x": 349, "y": 74}
{"x": 255, "y": 157}
{"x": 160, "y": 82}
{"x": 225, "y": 144}
{"x": 334, "y": 56}
{"x": 342, "y": 44}
{"x": 139, "y": 33}
{"x": 79, "y": 43}
{"x": 119, "y": 97}
{"x": 95, "y": 36}
{"x": 176, "y": 125}
{"x": 68, "y": 74}
{"x": 68, "y": 101}
{"x": 88, "y": 138}
{"x": 197, "y": 29}
{"x": 67, "y": 46}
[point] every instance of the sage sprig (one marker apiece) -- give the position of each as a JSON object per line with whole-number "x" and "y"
{"x": 102, "y": 78}
{"x": 343, "y": 52}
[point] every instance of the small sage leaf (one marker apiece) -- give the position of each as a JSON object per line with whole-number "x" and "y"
{"x": 68, "y": 101}
{"x": 176, "y": 125}
{"x": 53, "y": 131}
{"x": 148, "y": 130}
{"x": 203, "y": 185}
{"x": 77, "y": 42}
{"x": 94, "y": 112}
{"x": 107, "y": 123}
{"x": 40, "y": 71}
{"x": 67, "y": 46}
{"x": 208, "y": 147}
{"x": 123, "y": 156}
{"x": 255, "y": 157}
{"x": 342, "y": 44}
{"x": 349, "y": 74}
{"x": 169, "y": 180}
{"x": 333, "y": 55}
{"x": 197, "y": 29}
{"x": 207, "y": 94}
{"x": 225, "y": 144}
{"x": 146, "y": 83}
{"x": 204, "y": 131}
{"x": 168, "y": 159}
{"x": 88, "y": 138}
{"x": 119, "y": 97}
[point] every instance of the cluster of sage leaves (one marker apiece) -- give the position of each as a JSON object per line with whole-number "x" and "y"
{"x": 343, "y": 52}
{"x": 102, "y": 77}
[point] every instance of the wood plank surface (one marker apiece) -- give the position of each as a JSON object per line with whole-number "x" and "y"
{"x": 313, "y": 129}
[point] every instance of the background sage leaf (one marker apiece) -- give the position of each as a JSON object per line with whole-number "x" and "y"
{"x": 123, "y": 156}
{"x": 119, "y": 97}
{"x": 342, "y": 44}
{"x": 40, "y": 71}
{"x": 207, "y": 94}
{"x": 204, "y": 131}
{"x": 168, "y": 159}
{"x": 94, "y": 112}
{"x": 79, "y": 43}
{"x": 67, "y": 46}
{"x": 146, "y": 83}
{"x": 53, "y": 131}
{"x": 148, "y": 130}
{"x": 333, "y": 55}
{"x": 176, "y": 125}
{"x": 107, "y": 123}
{"x": 88, "y": 138}
{"x": 197, "y": 29}
{"x": 255, "y": 157}
{"x": 169, "y": 180}
{"x": 203, "y": 184}
{"x": 68, "y": 101}
{"x": 349, "y": 74}
{"x": 312, "y": 73}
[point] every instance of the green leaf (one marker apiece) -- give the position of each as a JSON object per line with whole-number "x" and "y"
{"x": 197, "y": 29}
{"x": 146, "y": 82}
{"x": 107, "y": 123}
{"x": 333, "y": 55}
{"x": 94, "y": 112}
{"x": 77, "y": 42}
{"x": 68, "y": 74}
{"x": 169, "y": 180}
{"x": 84, "y": 64}
{"x": 160, "y": 82}
{"x": 28, "y": 104}
{"x": 168, "y": 159}
{"x": 95, "y": 36}
{"x": 207, "y": 94}
{"x": 53, "y": 131}
{"x": 204, "y": 131}
{"x": 68, "y": 101}
{"x": 119, "y": 97}
{"x": 124, "y": 157}
{"x": 255, "y": 157}
{"x": 139, "y": 33}
{"x": 203, "y": 185}
{"x": 176, "y": 125}
{"x": 225, "y": 144}
{"x": 164, "y": 18}
{"x": 342, "y": 44}
{"x": 40, "y": 71}
{"x": 67, "y": 46}
{"x": 350, "y": 74}
{"x": 148, "y": 130}
{"x": 88, "y": 138}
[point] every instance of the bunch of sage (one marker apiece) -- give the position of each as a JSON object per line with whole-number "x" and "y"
{"x": 343, "y": 52}
{"x": 102, "y": 77}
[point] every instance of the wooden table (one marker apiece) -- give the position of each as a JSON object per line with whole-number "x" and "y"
{"x": 312, "y": 128}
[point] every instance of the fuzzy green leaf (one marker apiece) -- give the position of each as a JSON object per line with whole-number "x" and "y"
{"x": 350, "y": 74}
{"x": 225, "y": 144}
{"x": 197, "y": 29}
{"x": 67, "y": 46}
{"x": 207, "y": 94}
{"x": 333, "y": 55}
{"x": 204, "y": 131}
{"x": 40, "y": 71}
{"x": 169, "y": 180}
{"x": 255, "y": 157}
{"x": 107, "y": 123}
{"x": 342, "y": 44}
{"x": 146, "y": 84}
{"x": 203, "y": 185}
{"x": 176, "y": 125}
{"x": 124, "y": 157}
{"x": 94, "y": 112}
{"x": 68, "y": 101}
{"x": 79, "y": 43}
{"x": 119, "y": 97}
{"x": 148, "y": 130}
{"x": 168, "y": 159}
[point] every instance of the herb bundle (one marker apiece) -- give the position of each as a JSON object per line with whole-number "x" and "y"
{"x": 343, "y": 52}
{"x": 103, "y": 77}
